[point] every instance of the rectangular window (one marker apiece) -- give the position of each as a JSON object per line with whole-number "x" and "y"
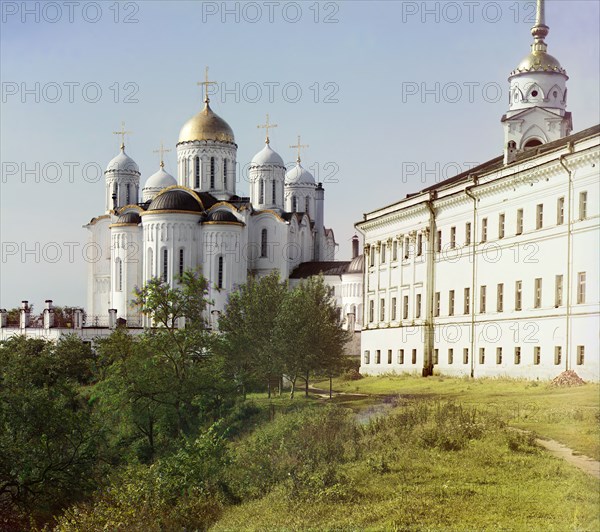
{"x": 406, "y": 248}
{"x": 467, "y": 301}
{"x": 220, "y": 273}
{"x": 450, "y": 356}
{"x": 225, "y": 178}
{"x": 181, "y": 263}
{"x": 517, "y": 355}
{"x": 418, "y": 307}
{"x": 501, "y": 223}
{"x": 165, "y": 265}
{"x": 539, "y": 216}
{"x": 537, "y": 293}
{"x": 582, "y": 205}
{"x": 452, "y": 237}
{"x": 382, "y": 309}
{"x": 467, "y": 233}
{"x": 196, "y": 172}
{"x": 371, "y": 311}
{"x": 518, "y": 295}
{"x": 367, "y": 357}
{"x": 436, "y": 356}
{"x": 500, "y": 297}
{"x": 405, "y": 308}
{"x": 378, "y": 356}
{"x": 560, "y": 211}
{"x": 382, "y": 254}
{"x": 436, "y": 305}
{"x": 580, "y": 288}
{"x": 438, "y": 242}
{"x": 558, "y": 290}
{"x": 537, "y": 355}
{"x": 400, "y": 356}
{"x": 389, "y": 356}
{"x": 498, "y": 355}
{"x": 393, "y": 309}
{"x": 371, "y": 256}
{"x": 451, "y": 303}
{"x": 484, "y": 229}
{"x": 420, "y": 244}
{"x": 212, "y": 172}
{"x": 580, "y": 355}
{"x": 466, "y": 355}
{"x": 482, "y": 355}
{"x": 482, "y": 299}
{"x": 519, "y": 229}
{"x": 414, "y": 356}
{"x": 557, "y": 355}
{"x": 395, "y": 250}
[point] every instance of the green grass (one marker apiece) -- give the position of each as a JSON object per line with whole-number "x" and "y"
{"x": 402, "y": 476}
{"x": 568, "y": 415}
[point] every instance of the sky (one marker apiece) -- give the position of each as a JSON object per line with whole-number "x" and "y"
{"x": 390, "y": 97}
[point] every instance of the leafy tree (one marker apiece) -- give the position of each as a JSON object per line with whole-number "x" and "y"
{"x": 48, "y": 441}
{"x": 308, "y": 332}
{"x": 167, "y": 382}
{"x": 247, "y": 330}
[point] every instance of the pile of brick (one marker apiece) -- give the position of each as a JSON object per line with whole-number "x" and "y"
{"x": 566, "y": 379}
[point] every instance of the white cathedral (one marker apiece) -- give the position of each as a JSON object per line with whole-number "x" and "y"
{"x": 197, "y": 221}
{"x": 494, "y": 272}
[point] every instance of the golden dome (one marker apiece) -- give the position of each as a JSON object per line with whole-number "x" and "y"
{"x": 539, "y": 61}
{"x": 206, "y": 125}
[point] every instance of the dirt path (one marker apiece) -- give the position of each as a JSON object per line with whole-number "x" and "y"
{"x": 585, "y": 463}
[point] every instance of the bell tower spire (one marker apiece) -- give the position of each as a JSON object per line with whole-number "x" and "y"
{"x": 537, "y": 96}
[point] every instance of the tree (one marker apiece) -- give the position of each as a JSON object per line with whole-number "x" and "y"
{"x": 247, "y": 328}
{"x": 167, "y": 382}
{"x": 308, "y": 332}
{"x": 48, "y": 443}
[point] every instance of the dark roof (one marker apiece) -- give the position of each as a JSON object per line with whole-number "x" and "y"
{"x": 208, "y": 200}
{"x": 129, "y": 218}
{"x": 222, "y": 216}
{"x": 309, "y": 269}
{"x": 498, "y": 162}
{"x": 176, "y": 200}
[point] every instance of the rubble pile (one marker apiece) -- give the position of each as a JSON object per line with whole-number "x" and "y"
{"x": 566, "y": 379}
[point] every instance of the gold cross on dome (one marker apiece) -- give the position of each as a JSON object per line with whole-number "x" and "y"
{"x": 267, "y": 126}
{"x": 206, "y": 83}
{"x": 162, "y": 151}
{"x": 122, "y": 133}
{"x": 299, "y": 146}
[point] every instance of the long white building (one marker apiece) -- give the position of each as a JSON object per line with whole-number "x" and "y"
{"x": 494, "y": 272}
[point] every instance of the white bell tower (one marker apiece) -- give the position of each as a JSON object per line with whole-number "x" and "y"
{"x": 537, "y": 97}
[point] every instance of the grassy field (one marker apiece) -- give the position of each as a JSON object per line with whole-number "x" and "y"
{"x": 430, "y": 465}
{"x": 568, "y": 415}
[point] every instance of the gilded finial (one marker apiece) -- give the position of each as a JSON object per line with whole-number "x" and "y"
{"x": 162, "y": 151}
{"x": 206, "y": 83}
{"x": 122, "y": 133}
{"x": 267, "y": 126}
{"x": 539, "y": 30}
{"x": 299, "y": 146}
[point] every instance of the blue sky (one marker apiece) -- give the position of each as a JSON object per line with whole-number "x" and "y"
{"x": 347, "y": 76}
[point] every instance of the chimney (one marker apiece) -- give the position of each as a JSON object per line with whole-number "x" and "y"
{"x": 354, "y": 246}
{"x": 112, "y": 318}
{"x": 3, "y": 318}
{"x": 48, "y": 314}
{"x": 77, "y": 318}
{"x": 24, "y": 315}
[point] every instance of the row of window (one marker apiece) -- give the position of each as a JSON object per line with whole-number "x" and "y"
{"x": 164, "y": 268}
{"x": 537, "y": 356}
{"x": 452, "y": 244}
{"x": 261, "y": 191}
{"x": 187, "y": 163}
{"x": 483, "y": 299}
